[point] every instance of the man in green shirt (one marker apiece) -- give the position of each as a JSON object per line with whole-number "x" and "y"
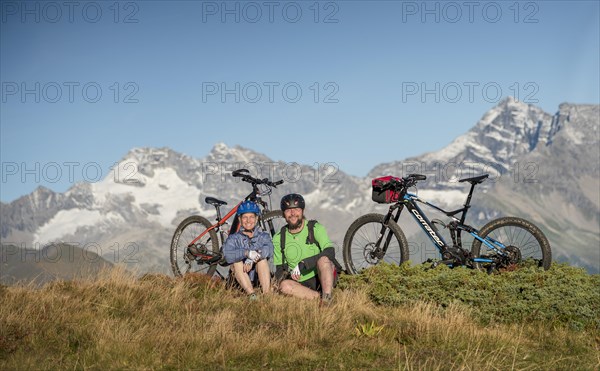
{"x": 308, "y": 261}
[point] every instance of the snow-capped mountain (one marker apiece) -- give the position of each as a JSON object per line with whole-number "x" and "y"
{"x": 500, "y": 138}
{"x": 558, "y": 187}
{"x": 537, "y": 161}
{"x": 542, "y": 167}
{"x": 131, "y": 214}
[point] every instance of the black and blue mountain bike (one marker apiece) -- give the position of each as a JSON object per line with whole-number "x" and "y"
{"x": 500, "y": 245}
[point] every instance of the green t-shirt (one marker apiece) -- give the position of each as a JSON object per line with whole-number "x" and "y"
{"x": 296, "y": 248}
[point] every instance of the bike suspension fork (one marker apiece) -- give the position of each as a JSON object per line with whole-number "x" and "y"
{"x": 389, "y": 216}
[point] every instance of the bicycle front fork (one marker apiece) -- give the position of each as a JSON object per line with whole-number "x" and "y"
{"x": 379, "y": 251}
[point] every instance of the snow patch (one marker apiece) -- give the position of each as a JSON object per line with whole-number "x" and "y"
{"x": 353, "y": 204}
{"x": 445, "y": 199}
{"x": 574, "y": 136}
{"x": 164, "y": 189}
{"x": 313, "y": 198}
{"x": 66, "y": 222}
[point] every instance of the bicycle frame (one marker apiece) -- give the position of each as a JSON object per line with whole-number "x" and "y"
{"x": 373, "y": 236}
{"x": 410, "y": 201}
{"x": 253, "y": 196}
{"x": 218, "y": 224}
{"x": 195, "y": 240}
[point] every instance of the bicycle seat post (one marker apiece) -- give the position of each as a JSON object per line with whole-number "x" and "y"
{"x": 474, "y": 181}
{"x": 468, "y": 202}
{"x": 217, "y": 204}
{"x": 218, "y": 207}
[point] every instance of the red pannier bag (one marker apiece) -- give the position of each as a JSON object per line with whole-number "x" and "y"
{"x": 387, "y": 196}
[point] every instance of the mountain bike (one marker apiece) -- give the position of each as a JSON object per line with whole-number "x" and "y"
{"x": 500, "y": 244}
{"x": 197, "y": 244}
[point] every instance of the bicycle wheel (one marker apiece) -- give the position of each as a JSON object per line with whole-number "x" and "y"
{"x": 273, "y": 221}
{"x": 523, "y": 240}
{"x": 360, "y": 251}
{"x": 182, "y": 260}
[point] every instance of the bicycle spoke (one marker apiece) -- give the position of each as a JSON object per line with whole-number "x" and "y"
{"x": 360, "y": 244}
{"x": 190, "y": 253}
{"x": 522, "y": 241}
{"x": 184, "y": 258}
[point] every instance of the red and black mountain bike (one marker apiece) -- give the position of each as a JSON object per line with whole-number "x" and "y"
{"x": 197, "y": 244}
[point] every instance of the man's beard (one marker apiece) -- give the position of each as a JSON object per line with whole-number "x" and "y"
{"x": 297, "y": 225}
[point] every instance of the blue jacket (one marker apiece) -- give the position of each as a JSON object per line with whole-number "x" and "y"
{"x": 237, "y": 243}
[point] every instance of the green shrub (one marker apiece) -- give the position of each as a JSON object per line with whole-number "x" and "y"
{"x": 562, "y": 296}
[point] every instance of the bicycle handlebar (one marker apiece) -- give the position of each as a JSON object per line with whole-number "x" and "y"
{"x": 240, "y": 173}
{"x": 404, "y": 183}
{"x": 246, "y": 177}
{"x": 417, "y": 177}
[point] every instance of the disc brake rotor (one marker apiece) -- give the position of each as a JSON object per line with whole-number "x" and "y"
{"x": 369, "y": 254}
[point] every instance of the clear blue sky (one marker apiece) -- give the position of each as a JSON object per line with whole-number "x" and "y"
{"x": 161, "y": 68}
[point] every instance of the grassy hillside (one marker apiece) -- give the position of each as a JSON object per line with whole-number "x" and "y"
{"x": 378, "y": 321}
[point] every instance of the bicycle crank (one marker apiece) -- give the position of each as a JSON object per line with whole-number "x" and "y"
{"x": 201, "y": 254}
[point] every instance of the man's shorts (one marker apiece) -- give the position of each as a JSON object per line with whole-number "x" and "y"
{"x": 315, "y": 284}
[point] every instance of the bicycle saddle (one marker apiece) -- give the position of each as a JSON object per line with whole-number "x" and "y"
{"x": 475, "y": 179}
{"x": 213, "y": 201}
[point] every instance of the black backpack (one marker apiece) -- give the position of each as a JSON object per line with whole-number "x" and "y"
{"x": 310, "y": 240}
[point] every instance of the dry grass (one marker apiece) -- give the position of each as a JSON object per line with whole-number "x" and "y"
{"x": 118, "y": 321}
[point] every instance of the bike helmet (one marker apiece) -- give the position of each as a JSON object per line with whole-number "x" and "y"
{"x": 248, "y": 207}
{"x": 291, "y": 201}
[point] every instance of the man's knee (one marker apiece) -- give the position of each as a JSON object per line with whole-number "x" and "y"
{"x": 323, "y": 260}
{"x": 286, "y": 287}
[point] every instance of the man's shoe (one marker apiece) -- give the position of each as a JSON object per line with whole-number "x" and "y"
{"x": 326, "y": 300}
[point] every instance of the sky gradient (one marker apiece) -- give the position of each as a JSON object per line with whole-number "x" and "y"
{"x": 355, "y": 83}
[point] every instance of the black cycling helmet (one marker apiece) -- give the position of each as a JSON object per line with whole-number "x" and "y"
{"x": 291, "y": 201}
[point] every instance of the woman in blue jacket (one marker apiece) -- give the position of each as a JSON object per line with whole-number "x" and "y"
{"x": 248, "y": 250}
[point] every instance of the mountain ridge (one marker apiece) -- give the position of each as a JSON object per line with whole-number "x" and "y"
{"x": 140, "y": 202}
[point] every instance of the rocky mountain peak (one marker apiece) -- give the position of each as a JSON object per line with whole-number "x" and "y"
{"x": 513, "y": 128}
{"x": 237, "y": 154}
{"x": 140, "y": 203}
{"x": 219, "y": 148}
{"x": 580, "y": 122}
{"x": 508, "y": 130}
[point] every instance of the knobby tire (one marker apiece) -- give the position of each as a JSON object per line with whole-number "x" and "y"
{"x": 360, "y": 240}
{"x": 511, "y": 231}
